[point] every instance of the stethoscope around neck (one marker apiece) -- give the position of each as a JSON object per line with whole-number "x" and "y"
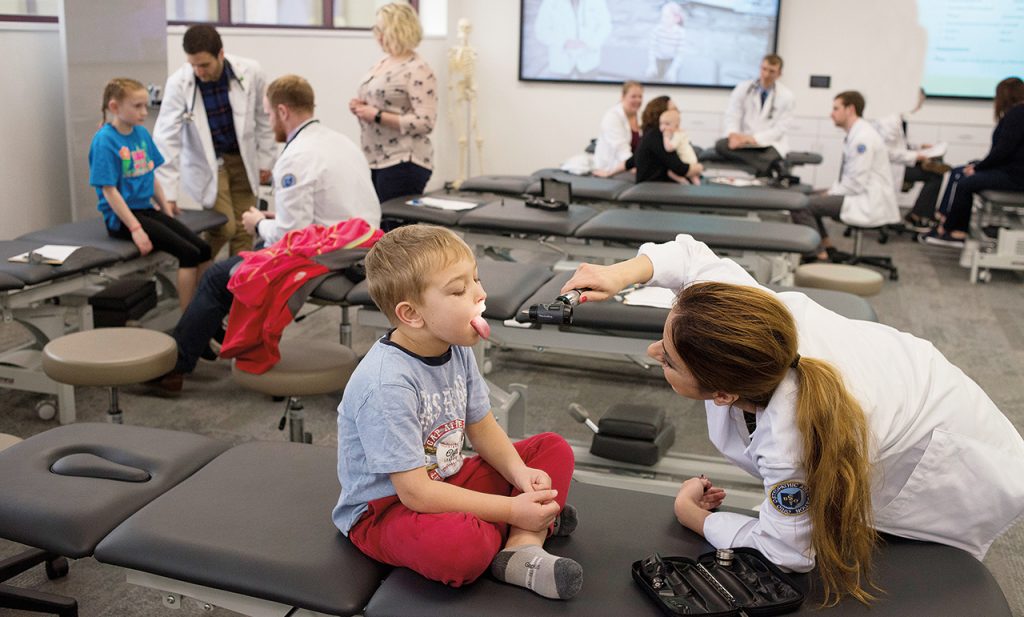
{"x": 189, "y": 114}
{"x": 752, "y": 89}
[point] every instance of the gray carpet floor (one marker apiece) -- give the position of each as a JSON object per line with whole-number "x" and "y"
{"x": 978, "y": 327}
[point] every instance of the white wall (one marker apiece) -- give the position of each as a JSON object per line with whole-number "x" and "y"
{"x": 525, "y": 125}
{"x": 33, "y": 164}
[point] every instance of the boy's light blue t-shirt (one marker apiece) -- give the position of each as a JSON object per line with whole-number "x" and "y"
{"x": 401, "y": 411}
{"x": 124, "y": 161}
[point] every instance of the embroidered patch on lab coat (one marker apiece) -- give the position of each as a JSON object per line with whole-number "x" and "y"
{"x": 789, "y": 497}
{"x": 861, "y": 148}
{"x": 287, "y": 180}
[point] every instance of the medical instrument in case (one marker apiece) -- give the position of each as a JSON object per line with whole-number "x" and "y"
{"x": 740, "y": 583}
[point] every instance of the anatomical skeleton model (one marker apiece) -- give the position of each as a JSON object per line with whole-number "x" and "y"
{"x": 462, "y": 96}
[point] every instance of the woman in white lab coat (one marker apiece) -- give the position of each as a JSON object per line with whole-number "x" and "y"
{"x": 620, "y": 131}
{"x": 852, "y": 426}
{"x": 574, "y": 32}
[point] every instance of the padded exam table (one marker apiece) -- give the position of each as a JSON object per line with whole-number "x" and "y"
{"x": 248, "y": 528}
{"x": 29, "y": 293}
{"x": 769, "y": 250}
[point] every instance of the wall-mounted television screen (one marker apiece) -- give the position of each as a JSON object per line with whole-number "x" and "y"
{"x": 971, "y": 47}
{"x": 706, "y": 43}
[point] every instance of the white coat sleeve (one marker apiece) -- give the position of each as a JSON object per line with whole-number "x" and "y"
{"x": 782, "y": 119}
{"x": 266, "y": 145}
{"x": 889, "y": 130}
{"x": 617, "y": 137}
{"x": 857, "y": 171}
{"x": 734, "y": 111}
{"x": 685, "y": 260}
{"x": 167, "y": 136}
{"x": 293, "y": 204}
{"x": 548, "y": 29}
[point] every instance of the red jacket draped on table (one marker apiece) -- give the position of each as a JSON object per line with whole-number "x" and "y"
{"x": 271, "y": 284}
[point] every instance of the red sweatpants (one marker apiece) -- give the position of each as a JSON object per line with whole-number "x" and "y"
{"x": 455, "y": 548}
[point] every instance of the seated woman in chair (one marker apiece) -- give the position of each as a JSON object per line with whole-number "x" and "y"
{"x": 1002, "y": 169}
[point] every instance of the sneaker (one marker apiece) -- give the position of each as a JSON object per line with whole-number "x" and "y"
{"x": 935, "y": 238}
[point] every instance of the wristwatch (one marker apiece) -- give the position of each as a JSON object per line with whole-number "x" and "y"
{"x": 376, "y": 119}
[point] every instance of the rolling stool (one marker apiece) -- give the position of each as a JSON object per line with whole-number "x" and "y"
{"x": 110, "y": 357}
{"x": 307, "y": 367}
{"x": 839, "y": 277}
{"x": 879, "y": 261}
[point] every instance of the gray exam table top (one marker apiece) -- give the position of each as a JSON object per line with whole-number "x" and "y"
{"x": 648, "y": 321}
{"x": 714, "y": 196}
{"x": 69, "y": 514}
{"x": 256, "y": 521}
{"x": 85, "y": 258}
{"x": 93, "y": 232}
{"x": 513, "y": 215}
{"x": 583, "y": 187}
{"x": 618, "y": 527}
{"x": 718, "y": 232}
{"x": 502, "y": 184}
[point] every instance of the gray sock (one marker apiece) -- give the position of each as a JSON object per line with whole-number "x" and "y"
{"x": 558, "y": 578}
{"x": 566, "y": 521}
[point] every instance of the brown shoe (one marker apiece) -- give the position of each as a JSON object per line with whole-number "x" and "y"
{"x": 170, "y": 383}
{"x": 935, "y": 166}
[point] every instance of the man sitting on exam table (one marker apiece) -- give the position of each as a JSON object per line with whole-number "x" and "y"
{"x": 321, "y": 178}
{"x": 409, "y": 498}
{"x": 757, "y": 120}
{"x": 864, "y": 195}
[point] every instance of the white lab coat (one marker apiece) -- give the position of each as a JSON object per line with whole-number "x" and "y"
{"x": 557, "y": 23}
{"x": 320, "y": 178}
{"x": 185, "y": 141}
{"x": 768, "y": 123}
{"x": 901, "y": 156}
{"x": 947, "y": 466}
{"x": 865, "y": 179}
{"x": 613, "y": 142}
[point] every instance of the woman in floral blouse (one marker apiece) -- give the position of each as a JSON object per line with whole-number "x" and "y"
{"x": 397, "y": 107}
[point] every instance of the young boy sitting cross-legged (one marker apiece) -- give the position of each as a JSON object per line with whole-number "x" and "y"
{"x": 409, "y": 497}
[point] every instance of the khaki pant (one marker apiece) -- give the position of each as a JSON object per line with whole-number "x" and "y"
{"x": 234, "y": 196}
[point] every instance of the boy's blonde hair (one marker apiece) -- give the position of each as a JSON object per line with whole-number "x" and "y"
{"x": 116, "y": 89}
{"x": 399, "y": 263}
{"x": 399, "y": 28}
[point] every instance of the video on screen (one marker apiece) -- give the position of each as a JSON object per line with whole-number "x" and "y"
{"x": 710, "y": 43}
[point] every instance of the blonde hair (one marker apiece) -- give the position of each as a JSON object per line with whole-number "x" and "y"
{"x": 629, "y": 85}
{"x": 743, "y": 340}
{"x": 115, "y": 90}
{"x": 291, "y": 91}
{"x": 398, "y": 265}
{"x": 399, "y": 28}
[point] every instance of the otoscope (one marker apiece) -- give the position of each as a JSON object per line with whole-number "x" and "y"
{"x": 558, "y": 312}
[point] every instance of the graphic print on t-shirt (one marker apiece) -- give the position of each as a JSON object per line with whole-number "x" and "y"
{"x": 135, "y": 162}
{"x": 443, "y": 445}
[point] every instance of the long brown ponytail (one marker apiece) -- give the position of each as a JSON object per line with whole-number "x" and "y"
{"x": 743, "y": 340}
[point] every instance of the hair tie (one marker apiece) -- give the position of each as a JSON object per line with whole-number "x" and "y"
{"x": 795, "y": 361}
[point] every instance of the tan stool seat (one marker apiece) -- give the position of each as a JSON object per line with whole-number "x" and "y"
{"x": 109, "y": 356}
{"x": 307, "y": 367}
{"x": 839, "y": 277}
{"x": 6, "y": 441}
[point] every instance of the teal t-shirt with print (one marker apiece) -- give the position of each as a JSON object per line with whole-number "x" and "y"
{"x": 124, "y": 161}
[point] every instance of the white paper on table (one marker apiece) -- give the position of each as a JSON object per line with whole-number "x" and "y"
{"x": 935, "y": 151}
{"x": 658, "y": 297}
{"x": 54, "y": 254}
{"x": 443, "y": 204}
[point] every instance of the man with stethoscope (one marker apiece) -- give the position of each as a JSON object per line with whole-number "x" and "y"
{"x": 757, "y": 120}
{"x": 214, "y": 133}
{"x": 321, "y": 177}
